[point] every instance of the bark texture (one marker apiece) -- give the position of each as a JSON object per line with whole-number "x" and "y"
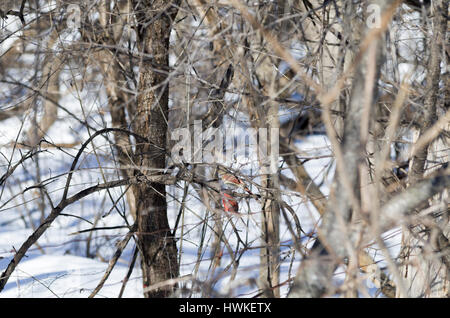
{"x": 426, "y": 273}
{"x": 158, "y": 247}
{"x": 314, "y": 275}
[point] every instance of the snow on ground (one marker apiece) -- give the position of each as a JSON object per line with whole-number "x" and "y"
{"x": 58, "y": 276}
{"x": 48, "y": 269}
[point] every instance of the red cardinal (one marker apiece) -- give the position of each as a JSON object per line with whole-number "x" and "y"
{"x": 229, "y": 203}
{"x": 233, "y": 181}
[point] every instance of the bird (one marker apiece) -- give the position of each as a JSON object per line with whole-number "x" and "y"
{"x": 229, "y": 203}
{"x": 233, "y": 181}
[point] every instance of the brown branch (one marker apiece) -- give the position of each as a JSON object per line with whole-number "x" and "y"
{"x": 10, "y": 170}
{"x": 130, "y": 270}
{"x": 334, "y": 244}
{"x": 120, "y": 247}
{"x": 394, "y": 211}
{"x": 307, "y": 187}
{"x": 319, "y": 265}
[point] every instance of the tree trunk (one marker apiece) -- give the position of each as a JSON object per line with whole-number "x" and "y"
{"x": 158, "y": 247}
{"x": 425, "y": 273}
{"x": 270, "y": 222}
